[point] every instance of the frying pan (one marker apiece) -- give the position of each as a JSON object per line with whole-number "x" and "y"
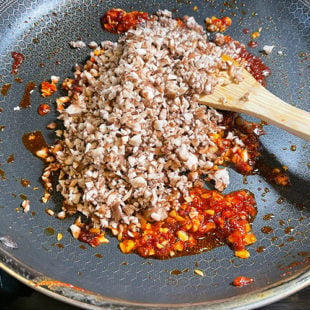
{"x": 104, "y": 277}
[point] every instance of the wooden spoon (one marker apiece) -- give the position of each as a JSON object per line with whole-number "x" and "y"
{"x": 251, "y": 98}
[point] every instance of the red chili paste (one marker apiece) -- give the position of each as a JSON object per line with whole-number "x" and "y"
{"x": 18, "y": 60}
{"x": 118, "y": 21}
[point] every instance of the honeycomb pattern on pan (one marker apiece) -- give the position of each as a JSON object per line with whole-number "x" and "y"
{"x": 41, "y": 31}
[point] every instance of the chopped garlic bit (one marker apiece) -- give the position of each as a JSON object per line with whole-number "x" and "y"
{"x": 77, "y": 44}
{"x": 268, "y": 49}
{"x": 25, "y": 205}
{"x": 75, "y": 230}
{"x": 49, "y": 212}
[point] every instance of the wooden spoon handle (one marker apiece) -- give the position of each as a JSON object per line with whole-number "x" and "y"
{"x": 261, "y": 104}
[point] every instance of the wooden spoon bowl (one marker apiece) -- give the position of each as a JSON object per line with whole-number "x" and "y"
{"x": 251, "y": 98}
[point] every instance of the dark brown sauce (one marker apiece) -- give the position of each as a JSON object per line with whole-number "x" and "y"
{"x": 289, "y": 229}
{"x": 82, "y": 246}
{"x": 267, "y": 230}
{"x": 300, "y": 206}
{"x": 208, "y": 243}
{"x": 60, "y": 245}
{"x": 260, "y": 249}
{"x": 99, "y": 255}
{"x": 18, "y": 80}
{"x": 23, "y": 196}
{"x": 304, "y": 253}
{"x": 10, "y": 159}
{"x": 245, "y": 179}
{"x": 281, "y": 222}
{"x": 25, "y": 102}
{"x": 175, "y": 272}
{"x": 5, "y": 89}
{"x": 267, "y": 171}
{"x": 268, "y": 216}
{"x": 290, "y": 239}
{"x": 49, "y": 231}
{"x": 24, "y": 182}
{"x": 34, "y": 141}
{"x": 2, "y": 174}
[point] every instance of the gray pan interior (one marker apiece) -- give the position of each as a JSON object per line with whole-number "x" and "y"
{"x": 41, "y": 31}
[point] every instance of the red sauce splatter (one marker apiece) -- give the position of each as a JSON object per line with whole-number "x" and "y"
{"x": 119, "y": 21}
{"x": 44, "y": 109}
{"x": 246, "y": 30}
{"x": 295, "y": 264}
{"x": 242, "y": 281}
{"x": 18, "y": 60}
{"x": 93, "y": 238}
{"x": 252, "y": 44}
{"x": 255, "y": 66}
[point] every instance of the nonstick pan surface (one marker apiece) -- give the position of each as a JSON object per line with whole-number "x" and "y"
{"x": 103, "y": 276}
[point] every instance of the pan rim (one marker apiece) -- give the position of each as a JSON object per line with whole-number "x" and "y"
{"x": 252, "y": 300}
